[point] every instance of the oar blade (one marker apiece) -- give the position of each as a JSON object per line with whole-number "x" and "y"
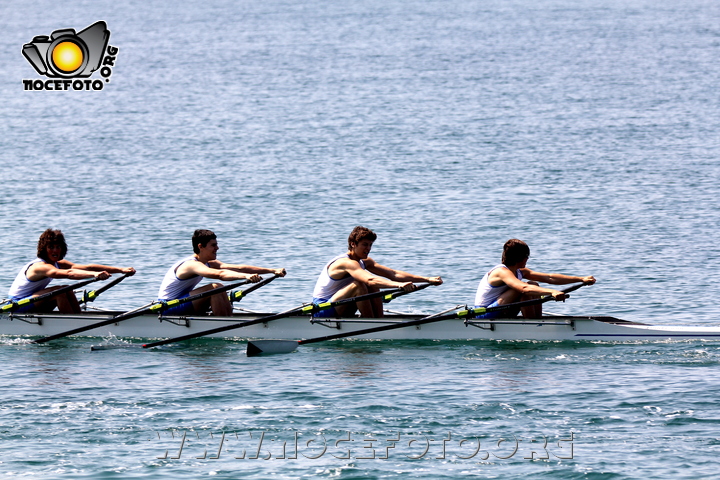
{"x": 97, "y": 348}
{"x": 270, "y": 347}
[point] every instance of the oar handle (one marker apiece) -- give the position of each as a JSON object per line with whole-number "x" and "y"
{"x": 387, "y": 296}
{"x": 92, "y": 295}
{"x": 573, "y": 288}
{"x": 30, "y": 300}
{"x": 392, "y": 296}
{"x": 237, "y": 296}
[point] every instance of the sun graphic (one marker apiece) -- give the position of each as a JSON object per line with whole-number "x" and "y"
{"x": 67, "y": 56}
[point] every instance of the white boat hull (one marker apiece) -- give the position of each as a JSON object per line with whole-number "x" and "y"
{"x": 549, "y": 328}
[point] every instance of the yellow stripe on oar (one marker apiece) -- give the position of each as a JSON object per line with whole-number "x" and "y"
{"x": 312, "y": 307}
{"x": 90, "y": 296}
{"x": 156, "y": 307}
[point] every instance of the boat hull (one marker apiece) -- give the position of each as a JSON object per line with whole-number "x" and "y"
{"x": 549, "y": 328}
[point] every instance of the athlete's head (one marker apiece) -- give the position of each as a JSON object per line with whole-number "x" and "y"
{"x": 202, "y": 237}
{"x": 514, "y": 252}
{"x": 359, "y": 234}
{"x": 51, "y": 238}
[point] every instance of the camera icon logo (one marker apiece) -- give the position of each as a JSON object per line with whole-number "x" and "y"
{"x": 67, "y": 54}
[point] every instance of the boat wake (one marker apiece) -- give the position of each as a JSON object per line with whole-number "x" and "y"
{"x": 10, "y": 340}
{"x": 111, "y": 342}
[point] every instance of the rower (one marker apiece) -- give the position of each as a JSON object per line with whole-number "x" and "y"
{"x": 505, "y": 283}
{"x": 181, "y": 279}
{"x": 355, "y": 273}
{"x": 34, "y": 277}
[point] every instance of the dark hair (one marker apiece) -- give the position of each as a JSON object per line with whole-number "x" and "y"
{"x": 515, "y": 251}
{"x": 202, "y": 237}
{"x": 359, "y": 234}
{"x": 51, "y": 237}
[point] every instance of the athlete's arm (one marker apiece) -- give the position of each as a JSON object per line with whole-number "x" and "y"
{"x": 247, "y": 268}
{"x": 190, "y": 269}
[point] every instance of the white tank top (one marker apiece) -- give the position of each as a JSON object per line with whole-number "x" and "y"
{"x": 22, "y": 287}
{"x": 486, "y": 293}
{"x": 327, "y": 286}
{"x": 172, "y": 287}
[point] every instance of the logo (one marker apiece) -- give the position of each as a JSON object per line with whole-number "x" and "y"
{"x": 68, "y": 57}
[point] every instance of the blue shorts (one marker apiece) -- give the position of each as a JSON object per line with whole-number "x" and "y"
{"x": 327, "y": 313}
{"x": 507, "y": 313}
{"x": 179, "y": 310}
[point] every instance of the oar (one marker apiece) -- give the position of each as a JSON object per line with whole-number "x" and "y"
{"x": 154, "y": 307}
{"x": 92, "y": 295}
{"x": 239, "y": 295}
{"x": 30, "y": 300}
{"x": 267, "y": 347}
{"x": 303, "y": 309}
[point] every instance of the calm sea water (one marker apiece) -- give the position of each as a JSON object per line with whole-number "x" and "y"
{"x": 587, "y": 128}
